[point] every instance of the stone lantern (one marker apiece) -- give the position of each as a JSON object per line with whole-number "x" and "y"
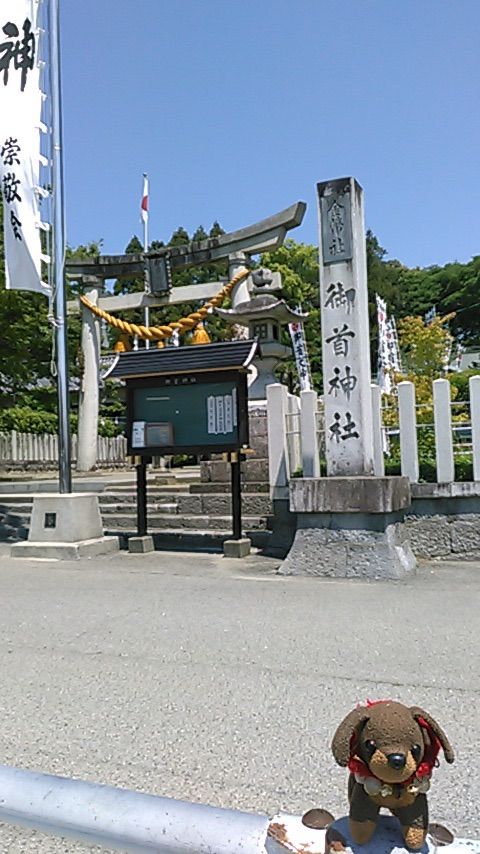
{"x": 263, "y": 316}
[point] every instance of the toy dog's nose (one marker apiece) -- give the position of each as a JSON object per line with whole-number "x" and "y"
{"x": 397, "y": 760}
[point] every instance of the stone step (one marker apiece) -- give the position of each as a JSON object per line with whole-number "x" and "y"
{"x": 130, "y": 488}
{"x": 129, "y": 508}
{"x": 218, "y": 471}
{"x": 155, "y": 521}
{"x": 211, "y": 504}
{"x": 220, "y": 504}
{"x": 252, "y": 487}
{"x": 16, "y": 508}
{"x": 131, "y": 497}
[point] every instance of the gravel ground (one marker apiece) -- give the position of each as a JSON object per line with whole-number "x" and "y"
{"x": 214, "y": 680}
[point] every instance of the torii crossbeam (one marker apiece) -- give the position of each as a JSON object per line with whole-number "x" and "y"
{"x": 264, "y": 236}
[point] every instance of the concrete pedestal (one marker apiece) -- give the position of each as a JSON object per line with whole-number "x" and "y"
{"x": 140, "y": 545}
{"x": 65, "y": 527}
{"x": 237, "y": 548}
{"x": 350, "y": 528}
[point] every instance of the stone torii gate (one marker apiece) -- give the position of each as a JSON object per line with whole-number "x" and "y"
{"x": 156, "y": 266}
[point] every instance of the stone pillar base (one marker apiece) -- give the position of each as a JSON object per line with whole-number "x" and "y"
{"x": 65, "y": 551}
{"x": 350, "y": 527}
{"x": 354, "y": 553}
{"x": 65, "y": 527}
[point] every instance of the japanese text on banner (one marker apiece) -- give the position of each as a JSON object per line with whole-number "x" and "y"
{"x": 20, "y": 123}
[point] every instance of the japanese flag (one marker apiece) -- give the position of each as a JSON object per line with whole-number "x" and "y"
{"x": 144, "y": 205}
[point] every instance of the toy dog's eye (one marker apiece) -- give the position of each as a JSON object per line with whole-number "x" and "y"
{"x": 370, "y": 746}
{"x": 416, "y": 752}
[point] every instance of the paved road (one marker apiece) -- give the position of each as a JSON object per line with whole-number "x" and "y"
{"x": 215, "y": 680}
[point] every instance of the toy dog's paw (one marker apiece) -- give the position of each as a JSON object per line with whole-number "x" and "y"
{"x": 414, "y": 837}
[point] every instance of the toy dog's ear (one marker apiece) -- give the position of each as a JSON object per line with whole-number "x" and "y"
{"x": 418, "y": 713}
{"x": 343, "y": 735}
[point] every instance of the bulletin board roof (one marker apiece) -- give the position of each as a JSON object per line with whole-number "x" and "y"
{"x": 226, "y": 355}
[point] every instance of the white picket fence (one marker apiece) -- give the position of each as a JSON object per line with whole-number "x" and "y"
{"x": 18, "y": 448}
{"x": 297, "y": 432}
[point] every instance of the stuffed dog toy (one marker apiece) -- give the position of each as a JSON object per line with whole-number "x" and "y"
{"x": 391, "y": 751}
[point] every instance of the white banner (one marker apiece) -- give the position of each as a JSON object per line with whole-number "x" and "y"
{"x": 301, "y": 355}
{"x": 20, "y": 123}
{"x": 388, "y": 351}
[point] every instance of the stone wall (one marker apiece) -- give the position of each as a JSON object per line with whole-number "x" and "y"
{"x": 443, "y": 520}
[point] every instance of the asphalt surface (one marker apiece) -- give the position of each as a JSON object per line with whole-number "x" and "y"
{"x": 214, "y": 680}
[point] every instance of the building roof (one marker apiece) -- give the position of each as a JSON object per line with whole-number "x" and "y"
{"x": 181, "y": 360}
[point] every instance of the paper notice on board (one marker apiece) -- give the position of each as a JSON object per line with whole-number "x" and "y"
{"x": 228, "y": 426}
{"x": 220, "y": 414}
{"x": 138, "y": 434}
{"x": 211, "y": 419}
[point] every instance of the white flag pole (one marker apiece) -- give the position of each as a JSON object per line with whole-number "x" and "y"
{"x": 146, "y": 311}
{"x": 58, "y": 255}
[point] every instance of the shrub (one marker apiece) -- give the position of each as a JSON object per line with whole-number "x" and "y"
{"x": 24, "y": 419}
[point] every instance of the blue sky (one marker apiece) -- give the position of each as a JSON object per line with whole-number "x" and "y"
{"x": 236, "y": 108}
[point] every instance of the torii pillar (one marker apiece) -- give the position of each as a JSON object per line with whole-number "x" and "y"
{"x": 89, "y": 396}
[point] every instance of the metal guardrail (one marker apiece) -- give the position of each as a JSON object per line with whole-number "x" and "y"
{"x": 137, "y": 823}
{"x": 123, "y": 820}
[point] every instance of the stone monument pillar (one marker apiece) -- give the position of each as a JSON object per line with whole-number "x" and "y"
{"x": 350, "y": 523}
{"x": 90, "y": 382}
{"x": 345, "y": 329}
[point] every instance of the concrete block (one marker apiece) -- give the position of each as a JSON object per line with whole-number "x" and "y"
{"x": 349, "y": 494}
{"x": 237, "y": 548}
{"x": 65, "y": 551}
{"x": 140, "y": 545}
{"x": 67, "y": 518}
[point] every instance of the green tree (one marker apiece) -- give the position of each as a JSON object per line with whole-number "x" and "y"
{"x": 298, "y": 265}
{"x": 25, "y": 340}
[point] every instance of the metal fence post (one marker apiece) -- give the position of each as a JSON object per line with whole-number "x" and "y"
{"x": 442, "y": 416}
{"x": 308, "y": 433}
{"x": 408, "y": 431}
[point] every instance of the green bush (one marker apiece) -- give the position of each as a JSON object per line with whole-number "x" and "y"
{"x": 24, "y": 419}
{"x": 460, "y": 381}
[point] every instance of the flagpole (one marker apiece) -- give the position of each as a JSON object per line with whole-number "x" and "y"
{"x": 146, "y": 312}
{"x": 58, "y": 254}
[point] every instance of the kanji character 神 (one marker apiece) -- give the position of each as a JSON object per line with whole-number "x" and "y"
{"x": 346, "y": 383}
{"x": 21, "y": 52}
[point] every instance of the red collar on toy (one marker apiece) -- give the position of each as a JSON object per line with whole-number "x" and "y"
{"x": 428, "y": 763}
